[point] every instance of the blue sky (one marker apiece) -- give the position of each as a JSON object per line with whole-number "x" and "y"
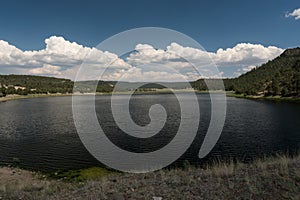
{"x": 214, "y": 24}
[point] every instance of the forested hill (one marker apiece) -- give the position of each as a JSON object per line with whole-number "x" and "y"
{"x": 280, "y": 76}
{"x": 26, "y": 84}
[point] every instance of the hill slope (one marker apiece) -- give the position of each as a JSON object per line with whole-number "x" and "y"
{"x": 280, "y": 76}
{"x": 26, "y": 84}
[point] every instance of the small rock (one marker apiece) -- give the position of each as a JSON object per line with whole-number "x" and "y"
{"x": 116, "y": 196}
{"x": 157, "y": 198}
{"x": 34, "y": 188}
{"x": 103, "y": 196}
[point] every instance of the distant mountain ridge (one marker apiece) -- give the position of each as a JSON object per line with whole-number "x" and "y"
{"x": 280, "y": 77}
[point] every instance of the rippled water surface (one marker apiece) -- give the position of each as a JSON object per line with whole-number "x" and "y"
{"x": 40, "y": 133}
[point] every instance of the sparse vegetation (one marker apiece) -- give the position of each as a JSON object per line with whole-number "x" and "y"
{"x": 276, "y": 177}
{"x": 93, "y": 173}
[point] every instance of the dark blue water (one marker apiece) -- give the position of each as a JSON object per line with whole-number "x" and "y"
{"x": 40, "y": 133}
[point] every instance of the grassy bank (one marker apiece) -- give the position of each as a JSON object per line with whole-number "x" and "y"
{"x": 270, "y": 98}
{"x": 264, "y": 179}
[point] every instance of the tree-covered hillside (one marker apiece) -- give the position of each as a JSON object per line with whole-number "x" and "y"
{"x": 280, "y": 76}
{"x": 25, "y": 84}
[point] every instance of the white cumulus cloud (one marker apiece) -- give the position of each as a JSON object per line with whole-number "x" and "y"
{"x": 245, "y": 54}
{"x": 249, "y": 68}
{"x": 46, "y": 70}
{"x": 58, "y": 56}
{"x": 186, "y": 59}
{"x": 295, "y": 14}
{"x": 63, "y": 58}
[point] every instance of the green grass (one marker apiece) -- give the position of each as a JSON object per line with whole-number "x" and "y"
{"x": 93, "y": 173}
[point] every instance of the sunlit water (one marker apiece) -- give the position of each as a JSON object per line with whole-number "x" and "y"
{"x": 40, "y": 133}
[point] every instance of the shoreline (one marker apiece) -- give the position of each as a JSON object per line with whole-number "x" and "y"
{"x": 268, "y": 98}
{"x": 228, "y": 94}
{"x": 16, "y": 97}
{"x": 264, "y": 178}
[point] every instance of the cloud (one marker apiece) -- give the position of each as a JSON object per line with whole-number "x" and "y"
{"x": 186, "y": 59}
{"x": 236, "y": 74}
{"x": 46, "y": 70}
{"x": 63, "y": 58}
{"x": 139, "y": 75}
{"x": 58, "y": 56}
{"x": 249, "y": 68}
{"x": 245, "y": 54}
{"x": 295, "y": 14}
{"x": 10, "y": 55}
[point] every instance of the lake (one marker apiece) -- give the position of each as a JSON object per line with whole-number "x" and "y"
{"x": 40, "y": 133}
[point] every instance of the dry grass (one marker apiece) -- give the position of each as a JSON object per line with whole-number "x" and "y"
{"x": 221, "y": 169}
{"x": 269, "y": 178}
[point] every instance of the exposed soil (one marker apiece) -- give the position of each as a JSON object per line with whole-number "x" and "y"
{"x": 270, "y": 179}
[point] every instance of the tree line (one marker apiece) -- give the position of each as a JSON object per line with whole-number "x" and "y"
{"x": 280, "y": 76}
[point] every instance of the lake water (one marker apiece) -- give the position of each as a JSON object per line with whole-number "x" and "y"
{"x": 40, "y": 133}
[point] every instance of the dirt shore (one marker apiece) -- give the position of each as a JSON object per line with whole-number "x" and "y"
{"x": 15, "y": 96}
{"x": 273, "y": 178}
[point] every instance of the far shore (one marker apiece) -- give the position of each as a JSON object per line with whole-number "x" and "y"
{"x": 163, "y": 91}
{"x": 15, "y": 96}
{"x": 262, "y": 97}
